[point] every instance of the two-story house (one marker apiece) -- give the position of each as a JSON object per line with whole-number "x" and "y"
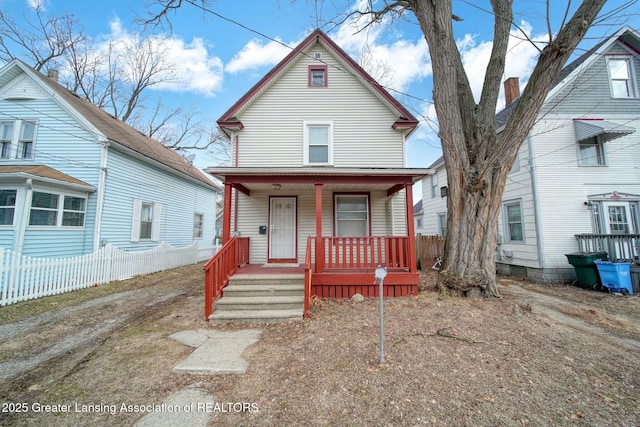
{"x": 73, "y": 178}
{"x": 575, "y": 185}
{"x": 319, "y": 173}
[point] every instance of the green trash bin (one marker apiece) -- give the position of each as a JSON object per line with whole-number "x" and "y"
{"x": 586, "y": 269}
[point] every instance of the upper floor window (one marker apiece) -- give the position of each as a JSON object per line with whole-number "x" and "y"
{"x": 57, "y": 210}
{"x": 620, "y": 74}
{"x": 317, "y": 76}
{"x": 591, "y": 152}
{"x": 17, "y": 145}
{"x": 318, "y": 143}
{"x": 7, "y": 206}
{"x": 434, "y": 185}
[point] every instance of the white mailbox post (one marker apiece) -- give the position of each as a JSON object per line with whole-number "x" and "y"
{"x": 380, "y": 274}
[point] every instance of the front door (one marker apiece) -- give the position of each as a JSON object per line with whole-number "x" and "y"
{"x": 282, "y": 229}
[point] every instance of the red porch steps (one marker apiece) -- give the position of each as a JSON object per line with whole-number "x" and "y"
{"x": 260, "y": 298}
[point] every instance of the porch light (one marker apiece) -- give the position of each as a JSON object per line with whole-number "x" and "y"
{"x": 587, "y": 205}
{"x": 275, "y": 187}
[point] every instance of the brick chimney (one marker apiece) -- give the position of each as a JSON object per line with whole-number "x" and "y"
{"x": 53, "y": 74}
{"x": 511, "y": 89}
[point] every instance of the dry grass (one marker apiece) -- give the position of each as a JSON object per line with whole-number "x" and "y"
{"x": 448, "y": 362}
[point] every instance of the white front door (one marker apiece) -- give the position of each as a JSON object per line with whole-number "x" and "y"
{"x": 617, "y": 218}
{"x": 282, "y": 228}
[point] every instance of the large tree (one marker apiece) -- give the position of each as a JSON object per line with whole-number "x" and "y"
{"x": 477, "y": 158}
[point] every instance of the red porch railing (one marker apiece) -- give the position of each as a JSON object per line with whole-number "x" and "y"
{"x": 218, "y": 269}
{"x": 365, "y": 253}
{"x": 307, "y": 278}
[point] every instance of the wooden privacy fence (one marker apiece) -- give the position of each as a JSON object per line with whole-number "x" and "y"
{"x": 23, "y": 278}
{"x": 428, "y": 248}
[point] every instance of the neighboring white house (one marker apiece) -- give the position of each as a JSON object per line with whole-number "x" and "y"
{"x": 575, "y": 184}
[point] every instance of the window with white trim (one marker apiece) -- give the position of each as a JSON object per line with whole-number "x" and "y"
{"x": 434, "y": 186}
{"x": 145, "y": 224}
{"x": 351, "y": 214}
{"x": 513, "y": 221}
{"x": 198, "y": 223}
{"x": 7, "y": 206}
{"x": 57, "y": 210}
{"x": 20, "y": 144}
{"x": 318, "y": 143}
{"x": 620, "y": 75}
{"x": 591, "y": 152}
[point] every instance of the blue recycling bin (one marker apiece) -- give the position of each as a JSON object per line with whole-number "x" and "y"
{"x": 615, "y": 276}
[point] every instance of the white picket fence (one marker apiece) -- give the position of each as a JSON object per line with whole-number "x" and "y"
{"x": 23, "y": 278}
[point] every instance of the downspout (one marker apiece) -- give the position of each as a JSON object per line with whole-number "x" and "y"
{"x": 536, "y": 203}
{"x": 24, "y": 217}
{"x": 102, "y": 182}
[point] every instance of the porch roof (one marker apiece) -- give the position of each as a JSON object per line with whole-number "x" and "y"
{"x": 304, "y": 179}
{"x": 43, "y": 174}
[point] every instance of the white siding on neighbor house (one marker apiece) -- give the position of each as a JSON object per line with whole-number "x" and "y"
{"x": 589, "y": 93}
{"x": 564, "y": 186}
{"x": 433, "y": 206}
{"x": 273, "y": 123}
{"x": 518, "y": 189}
{"x": 60, "y": 143}
{"x": 255, "y": 213}
{"x": 129, "y": 179}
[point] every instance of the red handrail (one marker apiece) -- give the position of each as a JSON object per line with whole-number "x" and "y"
{"x": 218, "y": 269}
{"x": 307, "y": 278}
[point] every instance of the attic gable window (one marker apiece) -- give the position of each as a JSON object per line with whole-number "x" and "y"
{"x": 317, "y": 76}
{"x": 620, "y": 74}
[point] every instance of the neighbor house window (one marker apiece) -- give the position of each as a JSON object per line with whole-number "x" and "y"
{"x": 46, "y": 210}
{"x": 25, "y": 143}
{"x": 145, "y": 224}
{"x": 7, "y": 206}
{"x": 591, "y": 152}
{"x": 514, "y": 226}
{"x": 317, "y": 76}
{"x": 73, "y": 210}
{"x": 352, "y": 215}
{"x": 434, "y": 186}
{"x": 6, "y": 135}
{"x": 318, "y": 142}
{"x": 442, "y": 224}
{"x": 620, "y": 74}
{"x": 198, "y": 221}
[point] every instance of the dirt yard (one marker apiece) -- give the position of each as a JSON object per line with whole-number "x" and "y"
{"x": 542, "y": 355}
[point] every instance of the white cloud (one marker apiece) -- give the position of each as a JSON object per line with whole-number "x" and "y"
{"x": 193, "y": 69}
{"x": 255, "y": 55}
{"x": 35, "y": 4}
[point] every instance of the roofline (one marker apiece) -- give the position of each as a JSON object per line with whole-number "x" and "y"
{"x": 228, "y": 117}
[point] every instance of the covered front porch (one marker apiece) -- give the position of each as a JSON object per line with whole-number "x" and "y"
{"x": 326, "y": 203}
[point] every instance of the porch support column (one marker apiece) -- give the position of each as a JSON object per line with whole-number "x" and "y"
{"x": 411, "y": 232}
{"x": 319, "y": 242}
{"x": 226, "y": 214}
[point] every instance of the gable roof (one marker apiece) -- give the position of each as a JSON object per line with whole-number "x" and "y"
{"x": 626, "y": 35}
{"x": 110, "y": 128}
{"x": 405, "y": 119}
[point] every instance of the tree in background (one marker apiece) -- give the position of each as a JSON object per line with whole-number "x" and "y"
{"x": 116, "y": 77}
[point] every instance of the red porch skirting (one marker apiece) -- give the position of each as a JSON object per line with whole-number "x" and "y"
{"x": 341, "y": 285}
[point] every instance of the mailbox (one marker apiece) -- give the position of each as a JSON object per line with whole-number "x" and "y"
{"x": 262, "y": 229}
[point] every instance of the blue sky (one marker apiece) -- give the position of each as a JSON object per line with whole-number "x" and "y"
{"x": 218, "y": 60}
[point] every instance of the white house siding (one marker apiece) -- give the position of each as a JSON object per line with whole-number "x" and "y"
{"x": 432, "y": 206}
{"x": 63, "y": 144}
{"x": 518, "y": 188}
{"x": 273, "y": 128}
{"x": 564, "y": 186}
{"x": 180, "y": 199}
{"x": 254, "y": 213}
